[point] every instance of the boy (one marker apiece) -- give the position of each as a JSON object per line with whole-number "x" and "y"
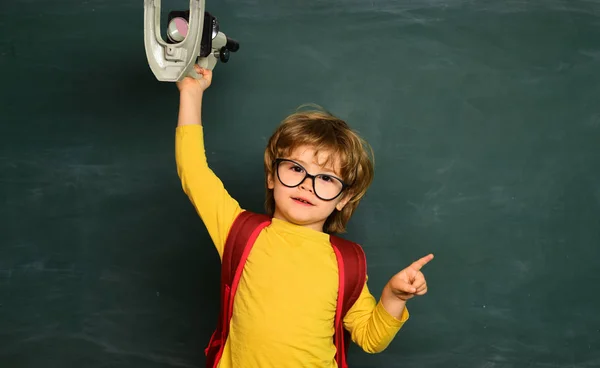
{"x": 316, "y": 172}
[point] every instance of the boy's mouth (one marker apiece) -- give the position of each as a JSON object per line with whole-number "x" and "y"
{"x": 302, "y": 200}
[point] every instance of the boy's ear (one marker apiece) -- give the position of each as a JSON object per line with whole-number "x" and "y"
{"x": 341, "y": 204}
{"x": 270, "y": 182}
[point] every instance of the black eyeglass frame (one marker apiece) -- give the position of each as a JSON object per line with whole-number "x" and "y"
{"x": 276, "y": 163}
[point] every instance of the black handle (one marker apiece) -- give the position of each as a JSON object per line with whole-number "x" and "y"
{"x": 232, "y": 45}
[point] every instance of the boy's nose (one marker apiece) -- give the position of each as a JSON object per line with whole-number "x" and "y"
{"x": 306, "y": 184}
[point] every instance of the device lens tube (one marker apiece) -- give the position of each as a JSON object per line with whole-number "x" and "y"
{"x": 178, "y": 29}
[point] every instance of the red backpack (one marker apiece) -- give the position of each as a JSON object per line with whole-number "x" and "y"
{"x": 244, "y": 231}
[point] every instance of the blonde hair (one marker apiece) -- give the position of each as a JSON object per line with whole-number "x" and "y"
{"x": 322, "y": 131}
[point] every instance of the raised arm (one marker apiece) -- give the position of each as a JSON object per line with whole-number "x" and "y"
{"x": 212, "y": 202}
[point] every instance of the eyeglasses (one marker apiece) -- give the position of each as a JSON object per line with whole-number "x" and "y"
{"x": 291, "y": 174}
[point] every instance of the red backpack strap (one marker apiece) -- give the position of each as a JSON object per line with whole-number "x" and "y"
{"x": 241, "y": 237}
{"x": 352, "y": 269}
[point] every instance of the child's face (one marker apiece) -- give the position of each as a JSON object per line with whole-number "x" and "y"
{"x": 291, "y": 201}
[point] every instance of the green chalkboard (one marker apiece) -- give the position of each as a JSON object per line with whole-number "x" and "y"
{"x": 485, "y": 121}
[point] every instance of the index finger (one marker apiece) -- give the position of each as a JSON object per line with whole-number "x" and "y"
{"x": 422, "y": 262}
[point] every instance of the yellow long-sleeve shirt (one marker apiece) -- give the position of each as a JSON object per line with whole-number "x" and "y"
{"x": 284, "y": 308}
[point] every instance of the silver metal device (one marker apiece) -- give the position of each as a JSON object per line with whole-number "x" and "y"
{"x": 193, "y": 37}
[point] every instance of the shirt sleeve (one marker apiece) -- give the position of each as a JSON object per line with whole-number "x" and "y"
{"x": 212, "y": 202}
{"x": 370, "y": 325}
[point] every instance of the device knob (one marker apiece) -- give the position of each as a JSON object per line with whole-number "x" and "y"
{"x": 224, "y": 54}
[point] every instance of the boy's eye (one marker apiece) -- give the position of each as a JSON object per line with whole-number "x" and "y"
{"x": 326, "y": 178}
{"x": 297, "y": 168}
